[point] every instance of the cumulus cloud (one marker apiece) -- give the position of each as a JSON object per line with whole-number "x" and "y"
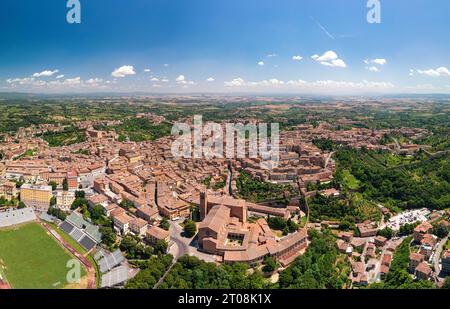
{"x": 60, "y": 76}
{"x": 45, "y": 73}
{"x": 72, "y": 81}
{"x": 210, "y": 79}
{"x": 442, "y": 71}
{"x": 297, "y": 58}
{"x": 308, "y": 86}
{"x": 147, "y": 70}
{"x": 378, "y": 61}
{"x": 57, "y": 84}
{"x": 261, "y": 63}
{"x": 123, "y": 71}
{"x": 181, "y": 79}
{"x": 373, "y": 69}
{"x": 154, "y": 79}
{"x": 236, "y": 82}
{"x": 330, "y": 59}
{"x": 22, "y": 81}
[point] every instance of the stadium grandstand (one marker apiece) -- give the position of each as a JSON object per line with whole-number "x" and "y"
{"x": 107, "y": 261}
{"x": 83, "y": 232}
{"x": 117, "y": 276}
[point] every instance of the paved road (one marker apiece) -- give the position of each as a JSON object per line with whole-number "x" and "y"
{"x": 437, "y": 255}
{"x": 180, "y": 243}
{"x": 181, "y": 246}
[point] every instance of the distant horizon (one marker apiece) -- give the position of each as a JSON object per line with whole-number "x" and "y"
{"x": 225, "y": 94}
{"x": 286, "y": 46}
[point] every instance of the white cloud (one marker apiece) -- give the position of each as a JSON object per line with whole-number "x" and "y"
{"x": 72, "y": 81}
{"x": 329, "y": 58}
{"x": 60, "y": 76}
{"x": 147, "y": 70}
{"x": 154, "y": 79}
{"x": 373, "y": 69}
{"x": 236, "y": 82}
{"x": 210, "y": 79}
{"x": 181, "y": 79}
{"x": 165, "y": 80}
{"x": 166, "y": 65}
{"x": 442, "y": 71}
{"x": 94, "y": 81}
{"x": 411, "y": 72}
{"x": 372, "y": 64}
{"x": 379, "y": 61}
{"x": 123, "y": 71}
{"x": 339, "y": 63}
{"x": 271, "y": 55}
{"x": 261, "y": 63}
{"x": 21, "y": 81}
{"x": 46, "y": 73}
{"x": 297, "y": 58}
{"x": 156, "y": 86}
{"x": 315, "y": 86}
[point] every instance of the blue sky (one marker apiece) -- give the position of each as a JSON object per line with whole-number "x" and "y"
{"x": 225, "y": 46}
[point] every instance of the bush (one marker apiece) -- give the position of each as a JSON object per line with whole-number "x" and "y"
{"x": 190, "y": 228}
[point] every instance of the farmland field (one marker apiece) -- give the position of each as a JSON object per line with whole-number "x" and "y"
{"x": 31, "y": 258}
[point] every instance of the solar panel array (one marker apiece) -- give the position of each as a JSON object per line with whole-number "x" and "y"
{"x": 116, "y": 276}
{"x": 17, "y": 216}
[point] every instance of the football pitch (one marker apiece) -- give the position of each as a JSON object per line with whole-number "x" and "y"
{"x": 32, "y": 259}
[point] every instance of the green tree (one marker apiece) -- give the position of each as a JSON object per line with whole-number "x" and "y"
{"x": 269, "y": 264}
{"x": 165, "y": 225}
{"x": 65, "y": 185}
{"x": 108, "y": 235}
{"x": 386, "y": 232}
{"x": 190, "y": 228}
{"x": 80, "y": 194}
{"x": 96, "y": 212}
{"x": 446, "y": 284}
{"x": 79, "y": 202}
{"x": 160, "y": 247}
{"x": 53, "y": 184}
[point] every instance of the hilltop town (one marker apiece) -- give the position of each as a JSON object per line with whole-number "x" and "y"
{"x": 123, "y": 199}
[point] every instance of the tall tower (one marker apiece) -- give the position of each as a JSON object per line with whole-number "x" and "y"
{"x": 203, "y": 205}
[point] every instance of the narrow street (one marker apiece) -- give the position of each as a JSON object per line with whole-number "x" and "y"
{"x": 437, "y": 255}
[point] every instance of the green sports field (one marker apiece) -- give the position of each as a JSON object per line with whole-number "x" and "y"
{"x": 32, "y": 258}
